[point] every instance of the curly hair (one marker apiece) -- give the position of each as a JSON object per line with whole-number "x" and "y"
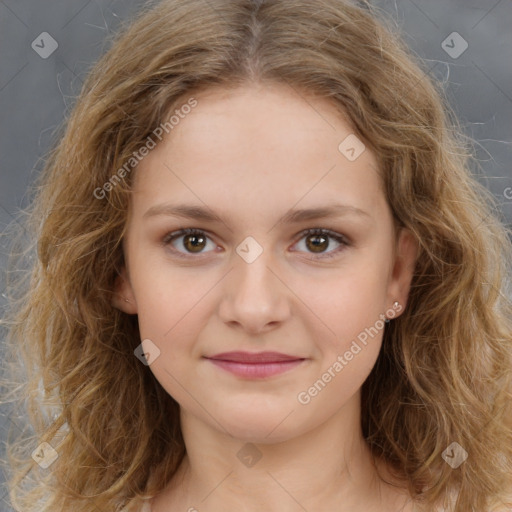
{"x": 444, "y": 371}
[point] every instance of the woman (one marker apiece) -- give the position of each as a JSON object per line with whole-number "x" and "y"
{"x": 265, "y": 277}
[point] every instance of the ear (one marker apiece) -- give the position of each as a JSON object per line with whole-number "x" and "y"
{"x": 403, "y": 268}
{"x": 123, "y": 297}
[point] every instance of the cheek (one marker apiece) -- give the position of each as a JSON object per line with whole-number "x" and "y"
{"x": 169, "y": 318}
{"x": 174, "y": 306}
{"x": 173, "y": 322}
{"x": 165, "y": 296}
{"x": 345, "y": 305}
{"x": 346, "y": 357}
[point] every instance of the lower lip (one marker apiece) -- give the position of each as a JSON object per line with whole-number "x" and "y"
{"x": 256, "y": 370}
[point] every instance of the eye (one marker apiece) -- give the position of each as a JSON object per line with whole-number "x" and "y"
{"x": 317, "y": 240}
{"x": 194, "y": 240}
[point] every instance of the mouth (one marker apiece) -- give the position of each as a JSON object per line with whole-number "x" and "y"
{"x": 255, "y": 365}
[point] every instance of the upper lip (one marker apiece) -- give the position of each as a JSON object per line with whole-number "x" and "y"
{"x": 254, "y": 357}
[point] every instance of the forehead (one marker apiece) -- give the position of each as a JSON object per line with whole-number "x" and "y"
{"x": 271, "y": 117}
{"x": 259, "y": 145}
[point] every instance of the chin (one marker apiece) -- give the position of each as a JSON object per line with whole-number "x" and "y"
{"x": 260, "y": 425}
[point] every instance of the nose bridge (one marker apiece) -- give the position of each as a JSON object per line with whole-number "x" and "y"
{"x": 254, "y": 295}
{"x": 253, "y": 264}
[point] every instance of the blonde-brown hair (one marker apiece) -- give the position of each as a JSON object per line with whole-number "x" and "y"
{"x": 444, "y": 371}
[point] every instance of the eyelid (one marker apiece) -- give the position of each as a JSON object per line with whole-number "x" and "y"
{"x": 324, "y": 231}
{"x": 338, "y": 237}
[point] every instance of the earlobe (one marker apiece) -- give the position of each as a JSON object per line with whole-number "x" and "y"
{"x": 123, "y": 297}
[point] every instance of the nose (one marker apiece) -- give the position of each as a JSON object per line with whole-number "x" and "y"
{"x": 254, "y": 299}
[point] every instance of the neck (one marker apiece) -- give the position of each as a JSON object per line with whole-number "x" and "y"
{"x": 327, "y": 468}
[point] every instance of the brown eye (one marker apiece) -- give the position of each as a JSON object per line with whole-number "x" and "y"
{"x": 317, "y": 243}
{"x": 318, "y": 240}
{"x": 193, "y": 241}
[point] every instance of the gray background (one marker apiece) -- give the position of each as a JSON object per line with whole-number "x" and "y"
{"x": 36, "y": 93}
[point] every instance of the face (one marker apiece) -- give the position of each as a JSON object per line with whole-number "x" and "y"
{"x": 250, "y": 278}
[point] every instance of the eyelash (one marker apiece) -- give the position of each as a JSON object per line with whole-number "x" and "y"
{"x": 170, "y": 237}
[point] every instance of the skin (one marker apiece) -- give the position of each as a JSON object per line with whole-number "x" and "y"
{"x": 251, "y": 155}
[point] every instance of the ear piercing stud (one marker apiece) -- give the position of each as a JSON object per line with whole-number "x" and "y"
{"x": 395, "y": 305}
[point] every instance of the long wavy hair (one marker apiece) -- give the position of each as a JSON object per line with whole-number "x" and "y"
{"x": 444, "y": 371}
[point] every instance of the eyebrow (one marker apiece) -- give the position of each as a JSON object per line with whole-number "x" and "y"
{"x": 293, "y": 216}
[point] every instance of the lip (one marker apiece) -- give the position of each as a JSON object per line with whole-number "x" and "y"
{"x": 254, "y": 357}
{"x": 255, "y": 365}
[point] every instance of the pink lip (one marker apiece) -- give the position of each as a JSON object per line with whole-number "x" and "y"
{"x": 255, "y": 365}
